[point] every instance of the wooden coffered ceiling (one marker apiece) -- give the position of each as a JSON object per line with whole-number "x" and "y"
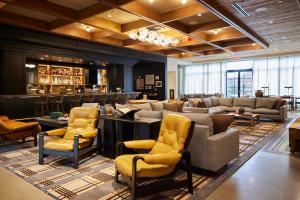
{"x": 203, "y": 28}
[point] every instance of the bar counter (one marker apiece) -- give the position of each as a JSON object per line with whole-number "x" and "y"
{"x": 23, "y": 106}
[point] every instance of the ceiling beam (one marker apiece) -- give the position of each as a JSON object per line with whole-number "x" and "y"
{"x": 101, "y": 34}
{"x": 45, "y": 7}
{"x": 101, "y": 23}
{"x": 84, "y": 13}
{"x": 22, "y": 21}
{"x": 246, "y": 48}
{"x": 171, "y": 16}
{"x": 208, "y": 26}
{"x": 110, "y": 41}
{"x": 183, "y": 12}
{"x": 226, "y": 34}
{"x": 229, "y": 18}
{"x": 135, "y": 25}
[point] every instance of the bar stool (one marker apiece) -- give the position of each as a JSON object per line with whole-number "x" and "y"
{"x": 75, "y": 100}
{"x": 101, "y": 99}
{"x": 41, "y": 106}
{"x": 57, "y": 103}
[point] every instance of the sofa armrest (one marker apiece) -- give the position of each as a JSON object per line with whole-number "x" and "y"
{"x": 194, "y": 110}
{"x": 231, "y": 135}
{"x": 148, "y": 114}
{"x": 283, "y": 113}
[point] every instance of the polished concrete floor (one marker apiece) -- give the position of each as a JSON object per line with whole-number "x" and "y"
{"x": 266, "y": 176}
{"x": 14, "y": 188}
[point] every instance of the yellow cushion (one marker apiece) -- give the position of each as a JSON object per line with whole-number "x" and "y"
{"x": 66, "y": 145}
{"x": 140, "y": 144}
{"x": 144, "y": 170}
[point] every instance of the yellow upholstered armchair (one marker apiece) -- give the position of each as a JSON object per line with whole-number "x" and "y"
{"x": 163, "y": 157}
{"x": 75, "y": 139}
{"x": 16, "y": 130}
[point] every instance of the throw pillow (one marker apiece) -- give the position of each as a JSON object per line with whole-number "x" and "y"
{"x": 207, "y": 101}
{"x": 193, "y": 102}
{"x": 265, "y": 102}
{"x": 179, "y": 105}
{"x": 170, "y": 107}
{"x": 201, "y": 104}
{"x": 215, "y": 101}
{"x": 280, "y": 102}
{"x": 225, "y": 101}
{"x": 157, "y": 106}
{"x": 221, "y": 122}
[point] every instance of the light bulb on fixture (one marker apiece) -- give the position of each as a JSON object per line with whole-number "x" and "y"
{"x": 216, "y": 31}
{"x": 109, "y": 16}
{"x": 199, "y": 14}
{"x": 254, "y": 44}
{"x": 183, "y": 1}
{"x": 151, "y": 1}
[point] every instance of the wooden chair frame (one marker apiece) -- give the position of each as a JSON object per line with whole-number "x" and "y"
{"x": 75, "y": 154}
{"x": 165, "y": 184}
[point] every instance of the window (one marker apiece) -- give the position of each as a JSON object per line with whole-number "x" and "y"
{"x": 272, "y": 75}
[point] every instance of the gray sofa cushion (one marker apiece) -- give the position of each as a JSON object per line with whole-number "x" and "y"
{"x": 266, "y": 102}
{"x": 198, "y": 118}
{"x": 216, "y": 110}
{"x": 225, "y": 101}
{"x": 144, "y": 106}
{"x": 157, "y": 106}
{"x": 215, "y": 101}
{"x": 208, "y": 102}
{"x": 266, "y": 111}
{"x": 148, "y": 114}
{"x": 244, "y": 102}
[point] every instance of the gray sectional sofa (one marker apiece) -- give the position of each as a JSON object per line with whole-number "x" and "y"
{"x": 267, "y": 107}
{"x": 208, "y": 150}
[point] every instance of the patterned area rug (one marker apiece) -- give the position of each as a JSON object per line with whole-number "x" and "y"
{"x": 94, "y": 178}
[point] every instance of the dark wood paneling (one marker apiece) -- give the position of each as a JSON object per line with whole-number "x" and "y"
{"x": 13, "y": 73}
{"x": 158, "y": 69}
{"x": 115, "y": 77}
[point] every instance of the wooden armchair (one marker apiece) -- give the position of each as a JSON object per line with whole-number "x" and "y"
{"x": 162, "y": 160}
{"x": 76, "y": 139}
{"x": 15, "y": 130}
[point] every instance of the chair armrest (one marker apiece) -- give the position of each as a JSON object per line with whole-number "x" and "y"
{"x": 57, "y": 132}
{"x": 89, "y": 134}
{"x": 228, "y": 135}
{"x": 164, "y": 159}
{"x": 23, "y": 126}
{"x": 139, "y": 144}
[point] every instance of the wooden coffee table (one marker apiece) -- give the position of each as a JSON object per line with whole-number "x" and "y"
{"x": 250, "y": 118}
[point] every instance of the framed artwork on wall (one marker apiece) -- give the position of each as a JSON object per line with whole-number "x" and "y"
{"x": 156, "y": 77}
{"x": 149, "y": 79}
{"x": 158, "y": 84}
{"x": 140, "y": 83}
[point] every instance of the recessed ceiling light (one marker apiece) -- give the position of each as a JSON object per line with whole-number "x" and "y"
{"x": 151, "y": 1}
{"x": 46, "y": 56}
{"x": 283, "y": 37}
{"x": 60, "y": 60}
{"x": 76, "y": 62}
{"x": 193, "y": 22}
{"x": 261, "y": 9}
{"x": 183, "y": 1}
{"x": 279, "y": 1}
{"x": 42, "y": 58}
{"x": 216, "y": 31}
{"x": 109, "y": 16}
{"x": 183, "y": 53}
{"x": 253, "y": 44}
{"x": 271, "y": 22}
{"x": 199, "y": 14}
{"x": 88, "y": 29}
{"x": 91, "y": 63}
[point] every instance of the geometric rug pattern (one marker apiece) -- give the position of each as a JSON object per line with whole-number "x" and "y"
{"x": 94, "y": 178}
